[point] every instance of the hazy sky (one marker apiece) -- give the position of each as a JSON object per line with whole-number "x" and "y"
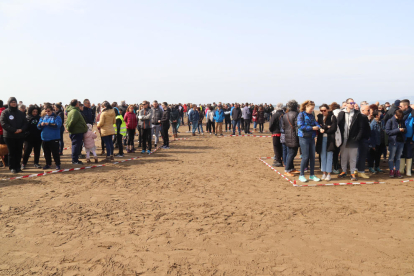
{"x": 204, "y": 51}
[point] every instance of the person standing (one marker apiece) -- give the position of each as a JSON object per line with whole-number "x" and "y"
{"x": 246, "y": 115}
{"x": 145, "y": 119}
{"x": 274, "y": 128}
{"x": 165, "y": 125}
{"x": 227, "y": 118}
{"x": 210, "y": 120}
{"x": 50, "y": 125}
{"x": 106, "y": 128}
{"x": 291, "y": 136}
{"x": 59, "y": 112}
{"x": 376, "y": 143}
{"x": 2, "y": 108}
{"x": 193, "y": 117}
{"x": 407, "y": 155}
{"x": 131, "y": 123}
{"x": 14, "y": 125}
{"x": 157, "y": 112}
{"x": 33, "y": 138}
{"x": 307, "y": 127}
{"x": 120, "y": 131}
{"x": 254, "y": 118}
{"x": 76, "y": 126}
{"x": 363, "y": 143}
{"x": 395, "y": 128}
{"x": 350, "y": 126}
{"x": 236, "y": 114}
{"x": 260, "y": 119}
{"x": 325, "y": 145}
{"x": 219, "y": 118}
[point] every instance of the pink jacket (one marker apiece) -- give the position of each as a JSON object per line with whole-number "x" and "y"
{"x": 88, "y": 139}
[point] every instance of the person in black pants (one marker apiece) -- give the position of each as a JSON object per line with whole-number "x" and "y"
{"x": 165, "y": 125}
{"x": 144, "y": 117}
{"x": 50, "y": 125}
{"x": 32, "y": 139}
{"x": 59, "y": 112}
{"x": 14, "y": 125}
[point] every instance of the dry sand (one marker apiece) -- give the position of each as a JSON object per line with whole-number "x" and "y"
{"x": 207, "y": 206}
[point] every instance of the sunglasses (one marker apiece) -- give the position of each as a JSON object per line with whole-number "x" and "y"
{"x": 352, "y": 103}
{"x": 324, "y": 110}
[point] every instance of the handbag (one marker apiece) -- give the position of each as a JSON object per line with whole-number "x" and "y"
{"x": 338, "y": 137}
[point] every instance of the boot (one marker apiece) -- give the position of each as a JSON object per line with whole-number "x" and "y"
{"x": 402, "y": 166}
{"x": 103, "y": 152}
{"x": 112, "y": 158}
{"x": 96, "y": 160}
{"x": 88, "y": 160}
{"x": 409, "y": 164}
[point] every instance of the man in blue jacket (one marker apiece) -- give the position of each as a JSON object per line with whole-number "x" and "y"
{"x": 219, "y": 117}
{"x": 193, "y": 117}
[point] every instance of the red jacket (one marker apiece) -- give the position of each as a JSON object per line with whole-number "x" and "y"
{"x": 131, "y": 120}
{"x": 1, "y": 110}
{"x": 254, "y": 116}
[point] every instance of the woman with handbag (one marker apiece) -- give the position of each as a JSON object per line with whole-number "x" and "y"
{"x": 307, "y": 127}
{"x": 325, "y": 145}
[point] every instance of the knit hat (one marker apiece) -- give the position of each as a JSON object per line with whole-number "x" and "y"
{"x": 397, "y": 103}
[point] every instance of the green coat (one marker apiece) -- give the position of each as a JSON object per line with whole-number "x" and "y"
{"x": 75, "y": 123}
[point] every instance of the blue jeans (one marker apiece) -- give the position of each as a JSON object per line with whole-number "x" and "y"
{"x": 200, "y": 126}
{"x": 291, "y": 154}
{"x": 326, "y": 157}
{"x": 307, "y": 146}
{"x": 77, "y": 141}
{"x": 254, "y": 125}
{"x": 108, "y": 144}
{"x": 195, "y": 126}
{"x": 236, "y": 123}
{"x": 285, "y": 152}
{"x": 395, "y": 151}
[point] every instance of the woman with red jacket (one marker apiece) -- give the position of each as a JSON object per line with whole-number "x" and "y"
{"x": 131, "y": 123}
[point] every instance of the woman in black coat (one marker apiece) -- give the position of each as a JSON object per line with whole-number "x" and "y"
{"x": 325, "y": 145}
{"x": 291, "y": 136}
{"x": 165, "y": 123}
{"x": 32, "y": 139}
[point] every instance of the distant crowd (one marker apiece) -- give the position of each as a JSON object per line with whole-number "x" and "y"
{"x": 343, "y": 135}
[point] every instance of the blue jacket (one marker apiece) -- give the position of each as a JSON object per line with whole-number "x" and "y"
{"x": 305, "y": 124}
{"x": 219, "y": 116}
{"x": 51, "y": 131}
{"x": 409, "y": 124}
{"x": 88, "y": 115}
{"x": 376, "y": 129}
{"x": 194, "y": 116}
{"x": 392, "y": 128}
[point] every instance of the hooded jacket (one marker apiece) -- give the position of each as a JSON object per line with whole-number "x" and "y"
{"x": 393, "y": 131}
{"x": 32, "y": 132}
{"x": 52, "y": 130}
{"x": 131, "y": 120}
{"x": 219, "y": 115}
{"x": 290, "y": 126}
{"x": 75, "y": 123}
{"x": 274, "y": 126}
{"x": 13, "y": 119}
{"x": 331, "y": 121}
{"x": 106, "y": 122}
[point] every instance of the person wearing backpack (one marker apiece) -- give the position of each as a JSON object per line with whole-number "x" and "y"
{"x": 325, "y": 145}
{"x": 307, "y": 127}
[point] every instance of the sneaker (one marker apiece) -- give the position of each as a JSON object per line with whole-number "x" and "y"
{"x": 398, "y": 174}
{"x": 363, "y": 175}
{"x": 335, "y": 171}
{"x": 302, "y": 178}
{"x": 392, "y": 173}
{"x": 77, "y": 163}
{"x": 289, "y": 174}
{"x": 129, "y": 151}
{"x": 143, "y": 151}
{"x": 46, "y": 167}
{"x": 13, "y": 171}
{"x": 314, "y": 178}
{"x": 37, "y": 166}
{"x": 82, "y": 156}
{"x": 372, "y": 170}
{"x": 155, "y": 145}
{"x": 167, "y": 147}
{"x": 1, "y": 164}
{"x": 328, "y": 177}
{"x": 342, "y": 175}
{"x": 57, "y": 167}
{"x": 277, "y": 164}
{"x": 295, "y": 172}
{"x": 119, "y": 155}
{"x": 239, "y": 133}
{"x": 379, "y": 170}
{"x": 353, "y": 177}
{"x": 148, "y": 151}
{"x": 323, "y": 177}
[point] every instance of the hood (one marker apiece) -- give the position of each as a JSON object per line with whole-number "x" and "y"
{"x": 11, "y": 99}
{"x": 30, "y": 110}
{"x": 70, "y": 108}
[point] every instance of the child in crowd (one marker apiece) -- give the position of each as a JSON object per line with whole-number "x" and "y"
{"x": 89, "y": 142}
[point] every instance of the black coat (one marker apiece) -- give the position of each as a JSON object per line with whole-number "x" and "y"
{"x": 32, "y": 132}
{"x": 11, "y": 120}
{"x": 355, "y": 130}
{"x": 274, "y": 126}
{"x": 330, "y": 121}
{"x": 390, "y": 113}
{"x": 236, "y": 113}
{"x": 290, "y": 128}
{"x": 366, "y": 127}
{"x": 165, "y": 119}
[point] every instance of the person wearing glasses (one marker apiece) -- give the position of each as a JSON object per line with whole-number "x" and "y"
{"x": 307, "y": 127}
{"x": 50, "y": 125}
{"x": 325, "y": 145}
{"x": 350, "y": 126}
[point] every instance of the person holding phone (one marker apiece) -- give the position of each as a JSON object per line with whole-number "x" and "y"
{"x": 307, "y": 128}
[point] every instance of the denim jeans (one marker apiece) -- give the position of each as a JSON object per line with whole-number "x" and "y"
{"x": 108, "y": 144}
{"x": 200, "y": 126}
{"x": 195, "y": 126}
{"x": 77, "y": 142}
{"x": 326, "y": 157}
{"x": 307, "y": 146}
{"x": 285, "y": 152}
{"x": 236, "y": 123}
{"x": 291, "y": 154}
{"x": 156, "y": 129}
{"x": 395, "y": 151}
{"x": 254, "y": 124}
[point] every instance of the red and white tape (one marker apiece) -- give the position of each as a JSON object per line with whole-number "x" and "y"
{"x": 259, "y": 136}
{"x": 75, "y": 169}
{"x": 316, "y": 185}
{"x": 409, "y": 180}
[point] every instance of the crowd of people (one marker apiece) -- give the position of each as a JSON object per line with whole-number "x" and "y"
{"x": 342, "y": 135}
